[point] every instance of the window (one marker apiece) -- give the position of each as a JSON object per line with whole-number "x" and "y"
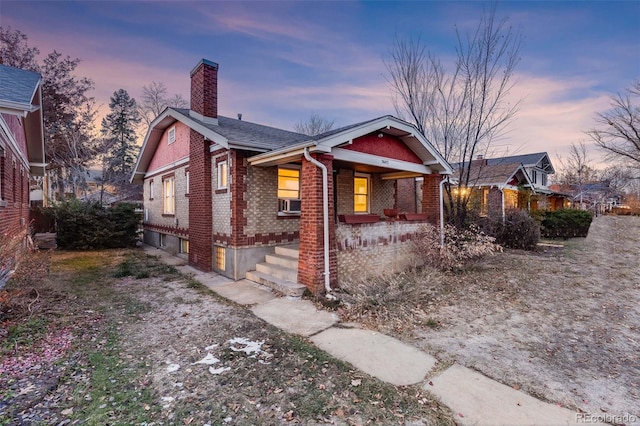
{"x": 288, "y": 183}
{"x": 223, "y": 175}
{"x": 169, "y": 195}
{"x": 534, "y": 176}
{"x": 151, "y": 189}
{"x": 544, "y": 179}
{"x": 184, "y": 246}
{"x": 171, "y": 135}
{"x": 220, "y": 258}
{"x": 361, "y": 193}
{"x": 186, "y": 176}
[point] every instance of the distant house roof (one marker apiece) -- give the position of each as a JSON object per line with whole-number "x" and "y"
{"x": 496, "y": 175}
{"x": 540, "y": 159}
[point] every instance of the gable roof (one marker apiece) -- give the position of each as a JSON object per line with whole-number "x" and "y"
{"x": 539, "y": 159}
{"x": 332, "y": 139}
{"x": 228, "y": 133}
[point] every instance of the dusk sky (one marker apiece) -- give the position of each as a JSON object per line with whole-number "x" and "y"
{"x": 282, "y": 61}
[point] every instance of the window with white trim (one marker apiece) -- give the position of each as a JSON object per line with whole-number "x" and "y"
{"x": 184, "y": 246}
{"x": 361, "y": 190}
{"x": 186, "y": 177}
{"x": 223, "y": 175}
{"x": 151, "y": 189}
{"x": 171, "y": 135}
{"x": 288, "y": 183}
{"x": 169, "y": 195}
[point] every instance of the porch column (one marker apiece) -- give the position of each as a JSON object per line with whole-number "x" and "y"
{"x": 200, "y": 203}
{"x": 311, "y": 252}
{"x": 431, "y": 197}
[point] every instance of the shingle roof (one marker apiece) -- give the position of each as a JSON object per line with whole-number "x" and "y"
{"x": 17, "y": 85}
{"x": 526, "y": 159}
{"x": 342, "y": 129}
{"x": 493, "y": 174}
{"x": 250, "y": 135}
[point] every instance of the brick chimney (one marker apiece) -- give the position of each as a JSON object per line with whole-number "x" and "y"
{"x": 479, "y": 161}
{"x": 204, "y": 91}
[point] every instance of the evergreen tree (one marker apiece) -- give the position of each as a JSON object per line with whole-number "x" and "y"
{"x": 119, "y": 139}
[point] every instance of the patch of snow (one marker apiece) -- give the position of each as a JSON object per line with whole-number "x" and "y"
{"x": 218, "y": 370}
{"x": 177, "y": 385}
{"x": 228, "y": 419}
{"x": 208, "y": 348}
{"x": 167, "y": 399}
{"x": 172, "y": 367}
{"x": 208, "y": 360}
{"x": 250, "y": 347}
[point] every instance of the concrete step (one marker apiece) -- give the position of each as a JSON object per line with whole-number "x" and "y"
{"x": 278, "y": 271}
{"x": 286, "y": 261}
{"x": 279, "y": 285}
{"x": 290, "y": 250}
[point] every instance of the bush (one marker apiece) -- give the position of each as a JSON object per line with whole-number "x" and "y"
{"x": 460, "y": 246}
{"x": 88, "y": 225}
{"x": 518, "y": 231}
{"x": 566, "y": 223}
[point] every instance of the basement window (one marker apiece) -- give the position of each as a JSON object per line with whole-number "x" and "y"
{"x": 184, "y": 246}
{"x": 220, "y": 258}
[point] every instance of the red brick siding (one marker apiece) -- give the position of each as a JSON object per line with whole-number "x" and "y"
{"x": 431, "y": 197}
{"x": 200, "y": 213}
{"x": 311, "y": 261}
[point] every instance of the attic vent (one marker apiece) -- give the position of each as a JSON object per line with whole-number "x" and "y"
{"x": 171, "y": 136}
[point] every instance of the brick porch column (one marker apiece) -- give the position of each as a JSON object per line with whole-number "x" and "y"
{"x": 200, "y": 203}
{"x": 431, "y": 197}
{"x": 238, "y": 187}
{"x": 311, "y": 256}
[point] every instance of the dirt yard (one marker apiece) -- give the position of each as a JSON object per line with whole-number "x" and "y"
{"x": 563, "y": 325}
{"x": 116, "y": 337}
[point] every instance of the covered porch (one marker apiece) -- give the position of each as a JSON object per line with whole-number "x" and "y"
{"x": 349, "y": 197}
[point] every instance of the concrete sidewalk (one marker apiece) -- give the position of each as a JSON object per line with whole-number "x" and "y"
{"x": 473, "y": 398}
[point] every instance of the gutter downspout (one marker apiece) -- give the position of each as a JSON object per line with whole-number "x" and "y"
{"x": 501, "y": 188}
{"x": 325, "y": 216}
{"x": 442, "y": 212}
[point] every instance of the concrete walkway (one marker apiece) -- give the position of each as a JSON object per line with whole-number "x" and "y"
{"x": 473, "y": 398}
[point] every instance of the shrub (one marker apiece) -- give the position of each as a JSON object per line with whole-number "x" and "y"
{"x": 12, "y": 248}
{"x": 460, "y": 246}
{"x": 88, "y": 225}
{"x": 518, "y": 231}
{"x": 566, "y": 223}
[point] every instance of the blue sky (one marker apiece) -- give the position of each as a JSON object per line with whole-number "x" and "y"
{"x": 281, "y": 61}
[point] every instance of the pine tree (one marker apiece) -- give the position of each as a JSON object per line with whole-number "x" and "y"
{"x": 119, "y": 139}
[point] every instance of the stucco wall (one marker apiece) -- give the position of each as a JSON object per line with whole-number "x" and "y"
{"x": 375, "y": 248}
{"x": 168, "y": 153}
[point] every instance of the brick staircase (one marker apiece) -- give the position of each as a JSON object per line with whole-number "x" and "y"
{"x": 279, "y": 271}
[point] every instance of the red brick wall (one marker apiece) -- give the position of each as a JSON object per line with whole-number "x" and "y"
{"x": 311, "y": 261}
{"x": 406, "y": 195}
{"x": 204, "y": 89}
{"x": 494, "y": 202}
{"x": 200, "y": 213}
{"x": 238, "y": 186}
{"x": 14, "y": 193}
{"x": 431, "y": 197}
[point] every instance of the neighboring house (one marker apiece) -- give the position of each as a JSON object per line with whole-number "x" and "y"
{"x": 21, "y": 144}
{"x": 513, "y": 182}
{"x": 597, "y": 197}
{"x": 225, "y": 192}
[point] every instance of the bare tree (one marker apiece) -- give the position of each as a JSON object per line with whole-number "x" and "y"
{"x": 618, "y": 131}
{"x": 463, "y": 110}
{"x": 154, "y": 100}
{"x": 576, "y": 171}
{"x": 314, "y": 125}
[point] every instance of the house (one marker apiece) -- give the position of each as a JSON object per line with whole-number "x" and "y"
{"x": 21, "y": 144}
{"x": 228, "y": 194}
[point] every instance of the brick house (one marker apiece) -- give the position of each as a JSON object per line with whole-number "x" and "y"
{"x": 21, "y": 144}
{"x": 247, "y": 200}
